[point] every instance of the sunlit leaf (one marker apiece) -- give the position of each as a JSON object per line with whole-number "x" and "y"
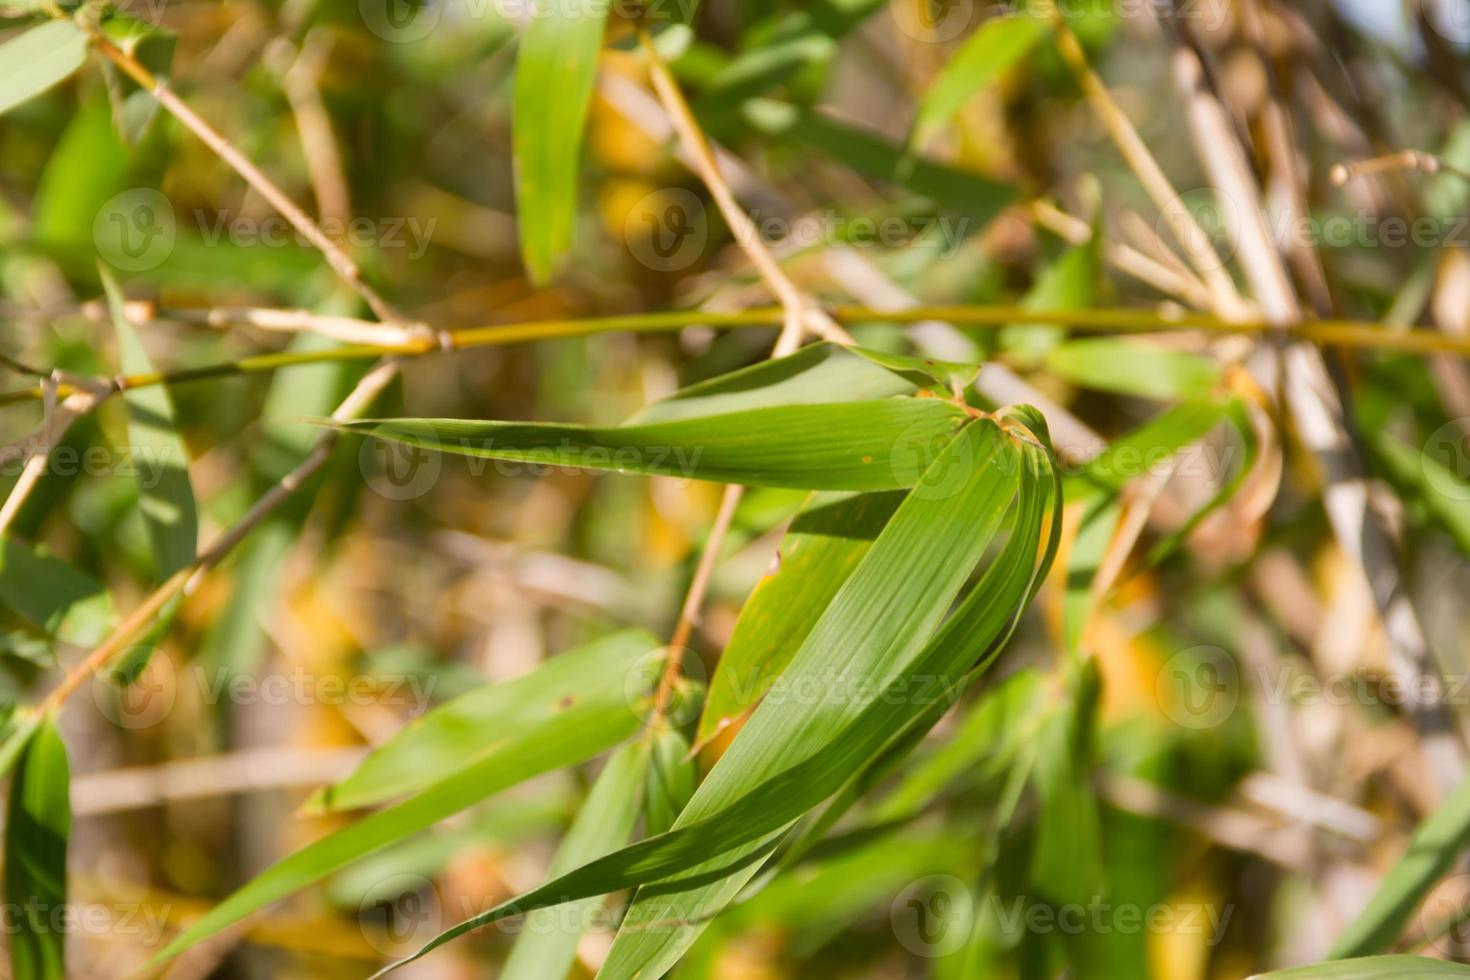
{"x": 547, "y": 944}
{"x": 986, "y": 55}
{"x": 1130, "y": 367}
{"x": 52, "y": 595}
{"x": 555, "y": 69}
{"x": 795, "y": 753}
{"x": 41, "y": 57}
{"x": 1372, "y": 968}
{"x": 529, "y": 751}
{"x": 165, "y": 494}
{"x": 871, "y": 445}
{"x": 583, "y": 688}
{"x": 37, "y": 825}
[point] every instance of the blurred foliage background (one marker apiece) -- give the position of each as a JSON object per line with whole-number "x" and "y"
{"x": 1187, "y": 844}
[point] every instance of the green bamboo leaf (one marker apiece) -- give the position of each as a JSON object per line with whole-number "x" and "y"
{"x": 38, "y": 823}
{"x": 1444, "y": 495}
{"x": 547, "y": 944}
{"x": 15, "y": 735}
{"x": 1130, "y": 367}
{"x": 134, "y": 109}
{"x": 530, "y": 752}
{"x": 1084, "y": 558}
{"x": 1372, "y": 968}
{"x": 42, "y": 57}
{"x": 971, "y": 196}
{"x": 993, "y": 732}
{"x": 874, "y": 445}
{"x": 816, "y": 374}
{"x": 1150, "y": 445}
{"x": 165, "y": 494}
{"x": 580, "y": 688}
{"x": 1432, "y": 851}
{"x": 816, "y": 557}
{"x": 53, "y": 596}
{"x": 1069, "y": 283}
{"x": 756, "y": 807}
{"x": 799, "y": 39}
{"x": 1236, "y": 413}
{"x": 555, "y": 70}
{"x": 1066, "y": 860}
{"x": 985, "y": 56}
{"x": 874, "y": 632}
{"x": 671, "y": 779}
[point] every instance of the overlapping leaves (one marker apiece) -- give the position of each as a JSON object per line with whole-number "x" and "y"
{"x": 881, "y": 637}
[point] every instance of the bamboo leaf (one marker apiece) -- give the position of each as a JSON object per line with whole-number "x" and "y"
{"x": 1066, "y": 864}
{"x": 1432, "y": 850}
{"x": 1372, "y": 968}
{"x": 1147, "y": 446}
{"x": 873, "y": 445}
{"x": 1444, "y": 495}
{"x": 816, "y": 374}
{"x": 671, "y": 780}
{"x": 530, "y": 751}
{"x": 816, "y": 557}
{"x": 555, "y": 69}
{"x": 547, "y": 945}
{"x": 580, "y": 688}
{"x": 15, "y": 735}
{"x": 53, "y": 596}
{"x": 166, "y": 496}
{"x": 801, "y": 38}
{"x": 988, "y": 53}
{"x": 752, "y": 808}
{"x": 1069, "y": 283}
{"x": 966, "y": 193}
{"x": 42, "y": 57}
{"x": 1129, "y": 367}
{"x": 38, "y": 823}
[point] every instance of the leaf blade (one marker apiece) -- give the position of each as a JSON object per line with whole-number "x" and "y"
{"x": 37, "y": 826}
{"x": 995, "y": 47}
{"x": 555, "y": 69}
{"x": 874, "y": 445}
{"x": 166, "y": 495}
{"x": 43, "y": 56}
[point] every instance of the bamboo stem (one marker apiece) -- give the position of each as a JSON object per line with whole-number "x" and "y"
{"x": 1347, "y": 334}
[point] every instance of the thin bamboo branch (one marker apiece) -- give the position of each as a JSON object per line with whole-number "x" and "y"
{"x": 1426, "y": 163}
{"x": 339, "y": 260}
{"x": 187, "y": 579}
{"x": 1181, "y": 221}
{"x": 801, "y": 314}
{"x": 300, "y": 73}
{"x": 1347, "y": 334}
